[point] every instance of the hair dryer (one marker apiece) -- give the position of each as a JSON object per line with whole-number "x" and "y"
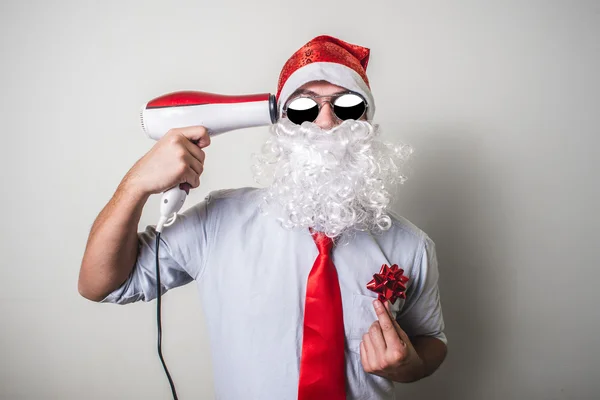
{"x": 217, "y": 113}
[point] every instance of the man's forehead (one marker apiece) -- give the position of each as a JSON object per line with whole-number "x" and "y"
{"x": 319, "y": 88}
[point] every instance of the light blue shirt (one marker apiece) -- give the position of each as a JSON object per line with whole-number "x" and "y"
{"x": 251, "y": 274}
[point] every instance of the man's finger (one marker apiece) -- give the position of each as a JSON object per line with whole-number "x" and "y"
{"x": 194, "y": 163}
{"x": 377, "y": 338}
{"x": 387, "y": 326}
{"x": 195, "y": 151}
{"x": 196, "y": 134}
{"x": 371, "y": 355}
{"x": 387, "y": 305}
{"x": 401, "y": 333}
{"x": 363, "y": 357}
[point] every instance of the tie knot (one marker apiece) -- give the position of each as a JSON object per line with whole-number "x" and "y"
{"x": 324, "y": 243}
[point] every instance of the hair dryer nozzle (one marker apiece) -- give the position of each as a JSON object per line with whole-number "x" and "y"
{"x": 273, "y": 109}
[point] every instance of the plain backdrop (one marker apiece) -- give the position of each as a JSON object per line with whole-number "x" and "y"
{"x": 500, "y": 100}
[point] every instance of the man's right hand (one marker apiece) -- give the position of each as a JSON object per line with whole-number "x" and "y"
{"x": 112, "y": 246}
{"x": 176, "y": 158}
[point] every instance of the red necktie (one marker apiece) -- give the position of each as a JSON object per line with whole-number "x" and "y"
{"x": 322, "y": 366}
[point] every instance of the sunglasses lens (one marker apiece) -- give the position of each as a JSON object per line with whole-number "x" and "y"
{"x": 302, "y": 109}
{"x": 349, "y": 106}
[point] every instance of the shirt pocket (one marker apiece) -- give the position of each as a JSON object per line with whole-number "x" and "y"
{"x": 362, "y": 315}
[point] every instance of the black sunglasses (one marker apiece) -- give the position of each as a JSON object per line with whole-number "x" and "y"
{"x": 346, "y": 105}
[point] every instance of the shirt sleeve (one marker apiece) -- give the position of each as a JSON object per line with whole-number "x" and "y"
{"x": 422, "y": 313}
{"x": 181, "y": 255}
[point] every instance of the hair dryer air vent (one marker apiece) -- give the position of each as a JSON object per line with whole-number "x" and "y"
{"x": 142, "y": 120}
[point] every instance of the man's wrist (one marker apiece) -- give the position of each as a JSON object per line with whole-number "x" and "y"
{"x": 130, "y": 189}
{"x": 412, "y": 372}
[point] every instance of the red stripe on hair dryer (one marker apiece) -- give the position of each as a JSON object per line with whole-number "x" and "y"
{"x": 217, "y": 113}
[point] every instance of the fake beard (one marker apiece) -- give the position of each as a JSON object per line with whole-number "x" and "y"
{"x": 331, "y": 180}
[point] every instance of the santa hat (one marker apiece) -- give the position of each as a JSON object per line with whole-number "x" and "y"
{"x": 329, "y": 59}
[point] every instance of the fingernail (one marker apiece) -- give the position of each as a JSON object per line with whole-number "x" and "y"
{"x": 377, "y": 304}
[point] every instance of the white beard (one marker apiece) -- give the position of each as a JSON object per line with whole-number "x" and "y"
{"x": 332, "y": 181}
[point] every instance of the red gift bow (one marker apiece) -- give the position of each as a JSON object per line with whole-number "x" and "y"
{"x": 390, "y": 283}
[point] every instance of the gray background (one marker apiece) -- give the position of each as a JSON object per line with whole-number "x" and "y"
{"x": 499, "y": 99}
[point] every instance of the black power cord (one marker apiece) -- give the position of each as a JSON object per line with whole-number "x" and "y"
{"x": 158, "y": 320}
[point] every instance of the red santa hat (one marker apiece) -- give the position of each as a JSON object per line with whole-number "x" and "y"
{"x": 328, "y": 59}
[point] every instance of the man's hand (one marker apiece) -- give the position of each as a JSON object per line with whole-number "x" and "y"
{"x": 176, "y": 158}
{"x": 387, "y": 351}
{"x": 112, "y": 246}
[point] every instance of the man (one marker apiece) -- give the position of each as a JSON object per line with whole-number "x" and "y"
{"x": 314, "y": 318}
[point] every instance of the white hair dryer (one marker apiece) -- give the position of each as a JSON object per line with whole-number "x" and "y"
{"x": 217, "y": 113}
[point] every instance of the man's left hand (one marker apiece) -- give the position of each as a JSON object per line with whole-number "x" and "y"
{"x": 387, "y": 351}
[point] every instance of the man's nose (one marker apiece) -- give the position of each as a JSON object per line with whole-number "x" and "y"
{"x": 326, "y": 118}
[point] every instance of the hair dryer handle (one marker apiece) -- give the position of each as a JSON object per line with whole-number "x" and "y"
{"x": 171, "y": 202}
